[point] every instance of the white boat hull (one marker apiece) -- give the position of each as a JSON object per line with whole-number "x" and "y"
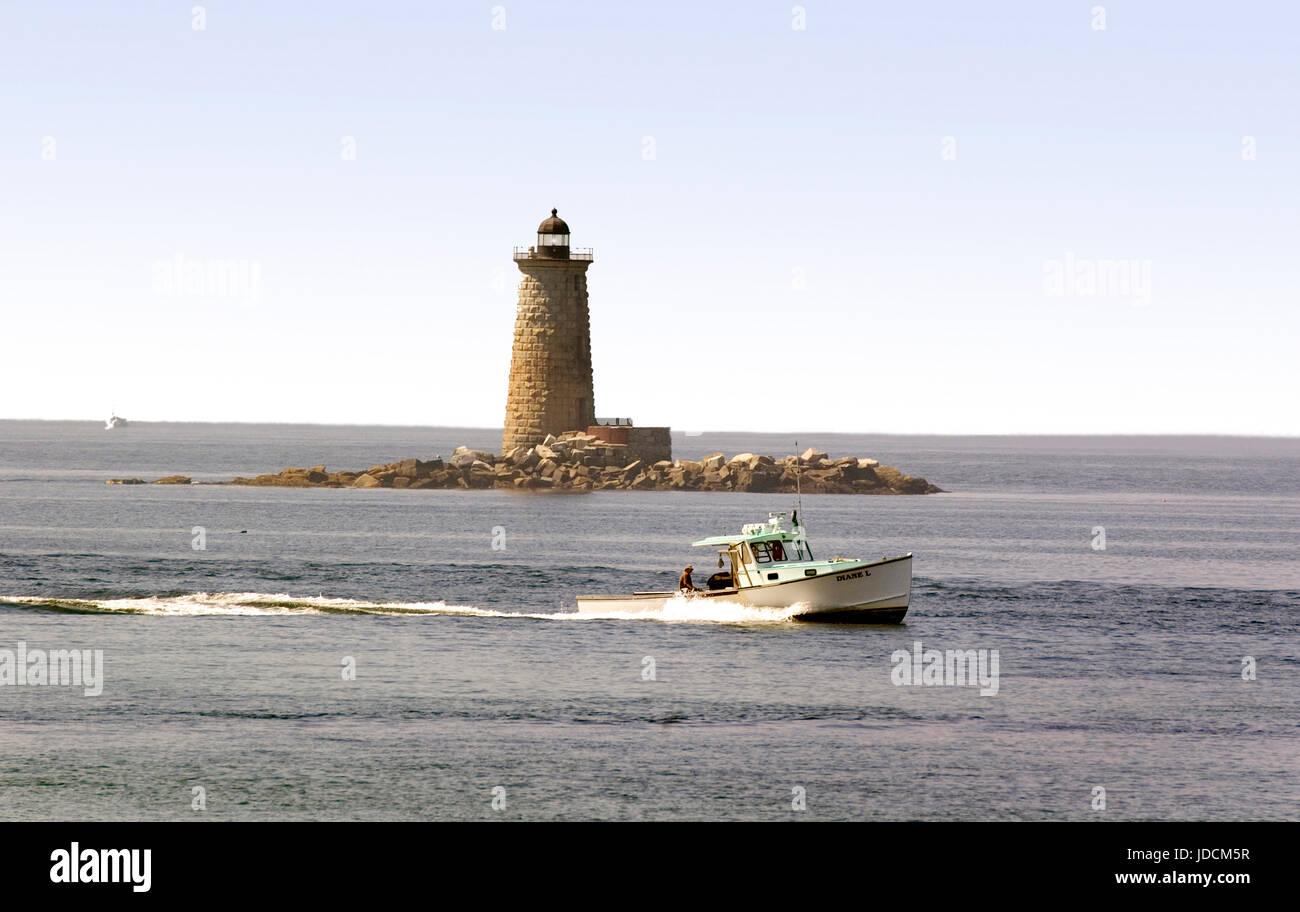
{"x": 860, "y": 592}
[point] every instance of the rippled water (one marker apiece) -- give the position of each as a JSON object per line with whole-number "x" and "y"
{"x": 1119, "y": 668}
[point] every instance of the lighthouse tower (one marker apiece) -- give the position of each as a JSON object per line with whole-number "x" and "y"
{"x": 550, "y": 368}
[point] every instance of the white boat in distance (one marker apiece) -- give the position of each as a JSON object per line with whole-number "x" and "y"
{"x": 772, "y": 566}
{"x": 115, "y": 422}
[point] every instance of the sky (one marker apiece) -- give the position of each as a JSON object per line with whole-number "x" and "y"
{"x": 922, "y": 217}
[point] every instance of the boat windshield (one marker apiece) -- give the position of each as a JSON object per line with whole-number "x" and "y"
{"x": 775, "y": 552}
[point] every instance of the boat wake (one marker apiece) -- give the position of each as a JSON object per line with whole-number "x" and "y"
{"x": 682, "y": 608}
{"x": 235, "y": 604}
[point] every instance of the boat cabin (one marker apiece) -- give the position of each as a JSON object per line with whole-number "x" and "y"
{"x": 763, "y": 553}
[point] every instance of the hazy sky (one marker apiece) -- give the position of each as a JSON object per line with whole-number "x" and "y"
{"x": 868, "y": 217}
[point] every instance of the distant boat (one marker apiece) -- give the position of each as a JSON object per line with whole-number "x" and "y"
{"x": 116, "y": 421}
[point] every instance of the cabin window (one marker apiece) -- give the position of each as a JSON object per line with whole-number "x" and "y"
{"x": 776, "y": 552}
{"x": 779, "y": 552}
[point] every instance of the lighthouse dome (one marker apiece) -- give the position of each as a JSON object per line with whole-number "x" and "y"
{"x": 553, "y": 225}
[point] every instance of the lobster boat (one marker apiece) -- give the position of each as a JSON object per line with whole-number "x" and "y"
{"x": 771, "y": 565}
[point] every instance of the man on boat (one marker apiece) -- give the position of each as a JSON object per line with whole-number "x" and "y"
{"x": 684, "y": 581}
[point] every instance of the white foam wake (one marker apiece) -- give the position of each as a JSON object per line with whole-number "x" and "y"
{"x": 681, "y": 608}
{"x": 237, "y": 603}
{"x": 677, "y": 609}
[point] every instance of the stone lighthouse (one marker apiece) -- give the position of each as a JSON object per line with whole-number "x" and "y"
{"x": 550, "y": 368}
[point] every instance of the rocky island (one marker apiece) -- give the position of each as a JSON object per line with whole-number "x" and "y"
{"x": 578, "y": 462}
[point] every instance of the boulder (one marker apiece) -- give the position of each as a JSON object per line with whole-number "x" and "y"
{"x": 173, "y": 479}
{"x": 911, "y": 484}
{"x": 888, "y": 474}
{"x": 529, "y": 459}
{"x": 408, "y": 468}
{"x": 366, "y": 481}
{"x": 763, "y": 479}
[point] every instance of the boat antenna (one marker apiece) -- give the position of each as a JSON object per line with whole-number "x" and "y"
{"x": 798, "y": 487}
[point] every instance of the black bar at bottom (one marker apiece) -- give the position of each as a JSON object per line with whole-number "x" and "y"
{"x": 332, "y": 861}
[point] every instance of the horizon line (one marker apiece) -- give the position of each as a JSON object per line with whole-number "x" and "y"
{"x": 468, "y": 427}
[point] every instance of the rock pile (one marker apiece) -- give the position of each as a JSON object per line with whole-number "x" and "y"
{"x": 170, "y": 479}
{"x": 580, "y": 462}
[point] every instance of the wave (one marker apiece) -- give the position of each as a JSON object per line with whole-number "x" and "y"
{"x": 252, "y": 604}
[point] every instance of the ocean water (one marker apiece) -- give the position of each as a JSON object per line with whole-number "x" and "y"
{"x": 1119, "y": 668}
